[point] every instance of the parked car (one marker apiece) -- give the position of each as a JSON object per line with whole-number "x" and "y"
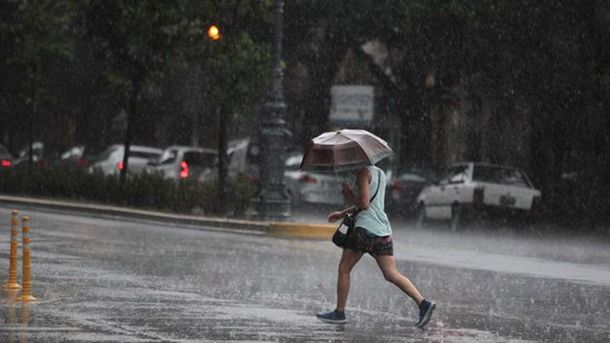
{"x": 403, "y": 189}
{"x": 6, "y": 159}
{"x": 477, "y": 189}
{"x": 312, "y": 188}
{"x": 39, "y": 158}
{"x": 80, "y": 156}
{"x": 110, "y": 161}
{"x": 242, "y": 160}
{"x": 185, "y": 162}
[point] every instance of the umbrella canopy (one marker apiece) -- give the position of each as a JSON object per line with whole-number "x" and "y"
{"x": 345, "y": 149}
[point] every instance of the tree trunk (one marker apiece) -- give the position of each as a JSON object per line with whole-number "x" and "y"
{"x": 32, "y": 118}
{"x": 224, "y": 121}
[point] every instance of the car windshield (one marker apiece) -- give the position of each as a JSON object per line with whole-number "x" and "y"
{"x": 501, "y": 175}
{"x": 456, "y": 174}
{"x": 104, "y": 155}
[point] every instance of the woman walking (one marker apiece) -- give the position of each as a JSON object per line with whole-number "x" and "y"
{"x": 372, "y": 234}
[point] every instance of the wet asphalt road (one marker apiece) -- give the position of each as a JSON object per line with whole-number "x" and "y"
{"x": 119, "y": 280}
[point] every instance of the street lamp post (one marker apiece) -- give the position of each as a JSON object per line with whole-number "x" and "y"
{"x": 272, "y": 201}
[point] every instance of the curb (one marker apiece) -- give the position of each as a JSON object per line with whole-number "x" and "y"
{"x": 274, "y": 229}
{"x": 303, "y": 231}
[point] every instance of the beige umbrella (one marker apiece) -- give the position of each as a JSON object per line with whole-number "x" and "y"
{"x": 345, "y": 149}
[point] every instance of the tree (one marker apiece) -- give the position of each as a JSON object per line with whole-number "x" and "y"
{"x": 235, "y": 67}
{"x": 36, "y": 35}
{"x": 137, "y": 40}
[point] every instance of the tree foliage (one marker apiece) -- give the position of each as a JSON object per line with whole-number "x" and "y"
{"x": 540, "y": 67}
{"x": 36, "y": 36}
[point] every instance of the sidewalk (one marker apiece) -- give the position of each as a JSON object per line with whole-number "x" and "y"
{"x": 300, "y": 226}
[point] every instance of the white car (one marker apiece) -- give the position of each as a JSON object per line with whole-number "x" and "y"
{"x": 313, "y": 188}
{"x": 184, "y": 162}
{"x": 478, "y": 188}
{"x": 110, "y": 161}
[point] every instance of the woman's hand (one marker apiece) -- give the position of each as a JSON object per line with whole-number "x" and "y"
{"x": 334, "y": 216}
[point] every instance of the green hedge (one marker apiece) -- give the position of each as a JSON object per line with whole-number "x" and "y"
{"x": 150, "y": 191}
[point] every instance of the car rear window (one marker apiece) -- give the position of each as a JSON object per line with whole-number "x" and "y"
{"x": 168, "y": 157}
{"x": 293, "y": 163}
{"x": 504, "y": 176}
{"x": 200, "y": 159}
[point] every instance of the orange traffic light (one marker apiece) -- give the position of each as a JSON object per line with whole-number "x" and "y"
{"x": 214, "y": 33}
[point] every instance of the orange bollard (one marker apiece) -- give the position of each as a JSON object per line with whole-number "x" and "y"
{"x": 26, "y": 293}
{"x": 12, "y": 269}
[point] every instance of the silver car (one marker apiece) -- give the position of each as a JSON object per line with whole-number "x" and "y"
{"x": 110, "y": 161}
{"x": 312, "y": 188}
{"x": 185, "y": 162}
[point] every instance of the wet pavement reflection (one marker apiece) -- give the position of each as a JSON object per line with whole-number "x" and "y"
{"x": 118, "y": 280}
{"x": 17, "y": 317}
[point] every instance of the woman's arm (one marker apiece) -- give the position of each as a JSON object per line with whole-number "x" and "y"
{"x": 363, "y": 181}
{"x": 334, "y": 216}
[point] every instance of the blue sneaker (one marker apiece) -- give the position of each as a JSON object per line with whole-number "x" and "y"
{"x": 334, "y": 317}
{"x": 426, "y": 308}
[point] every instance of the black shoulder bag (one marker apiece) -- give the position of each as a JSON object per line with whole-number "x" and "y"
{"x": 349, "y": 221}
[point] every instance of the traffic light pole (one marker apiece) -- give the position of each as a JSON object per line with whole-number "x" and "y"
{"x": 272, "y": 201}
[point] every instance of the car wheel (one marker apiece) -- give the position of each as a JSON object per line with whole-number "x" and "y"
{"x": 456, "y": 216}
{"x": 421, "y": 215}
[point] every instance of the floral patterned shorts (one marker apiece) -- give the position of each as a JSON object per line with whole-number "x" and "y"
{"x": 362, "y": 240}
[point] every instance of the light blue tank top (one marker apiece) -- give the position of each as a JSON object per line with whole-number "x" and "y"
{"x": 375, "y": 220}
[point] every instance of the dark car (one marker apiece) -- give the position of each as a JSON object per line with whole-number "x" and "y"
{"x": 6, "y": 159}
{"x": 39, "y": 156}
{"x": 403, "y": 189}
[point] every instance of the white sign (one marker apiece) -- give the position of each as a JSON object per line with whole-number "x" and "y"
{"x": 354, "y": 104}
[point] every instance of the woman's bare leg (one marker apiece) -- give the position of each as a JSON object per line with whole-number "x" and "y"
{"x": 387, "y": 264}
{"x": 349, "y": 258}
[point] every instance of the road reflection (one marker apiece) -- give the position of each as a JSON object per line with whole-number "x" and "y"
{"x": 15, "y": 326}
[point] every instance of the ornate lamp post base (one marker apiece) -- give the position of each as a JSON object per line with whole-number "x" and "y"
{"x": 273, "y": 202}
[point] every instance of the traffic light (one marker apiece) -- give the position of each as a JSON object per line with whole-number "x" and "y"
{"x": 214, "y": 33}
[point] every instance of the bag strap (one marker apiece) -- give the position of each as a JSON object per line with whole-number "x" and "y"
{"x": 377, "y": 190}
{"x": 358, "y": 210}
